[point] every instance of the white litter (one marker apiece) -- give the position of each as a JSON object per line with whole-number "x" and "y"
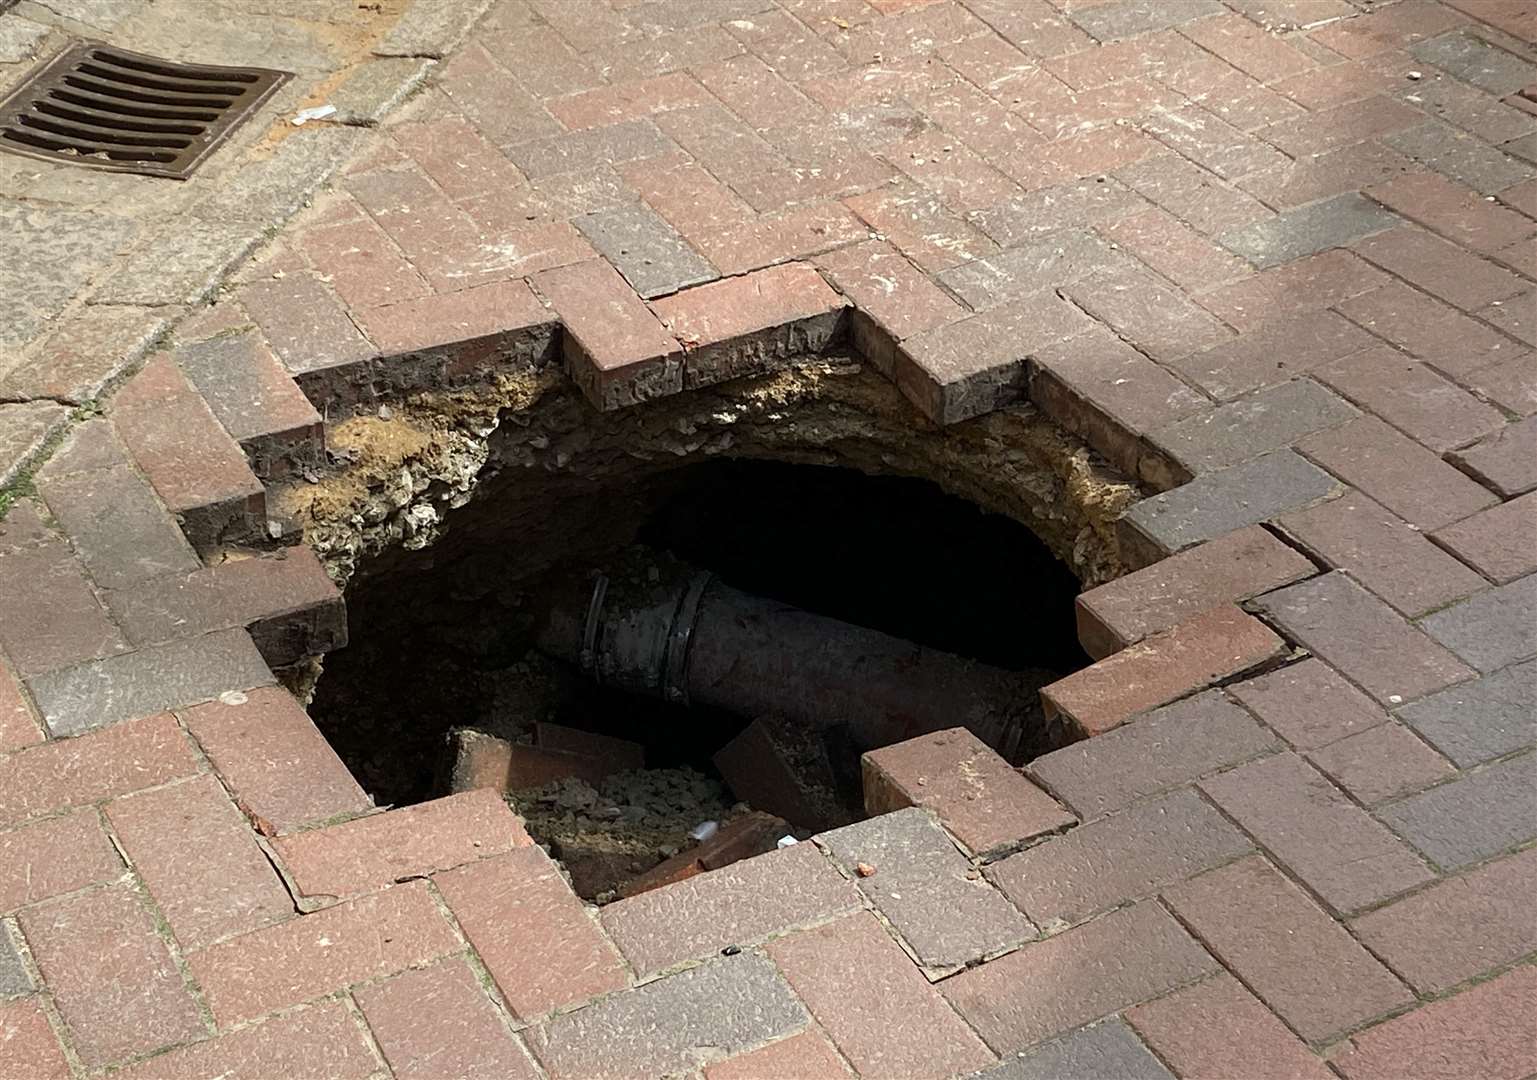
{"x": 786, "y": 841}
{"x": 318, "y": 112}
{"x": 704, "y": 830}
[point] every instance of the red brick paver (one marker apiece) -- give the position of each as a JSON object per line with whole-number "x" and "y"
{"x": 1229, "y": 238}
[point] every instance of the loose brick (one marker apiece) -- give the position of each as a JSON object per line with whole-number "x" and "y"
{"x": 1457, "y": 928}
{"x": 1218, "y": 502}
{"x": 73, "y": 772}
{"x": 808, "y": 1055}
{"x": 198, "y": 470}
{"x": 1493, "y": 628}
{"x": 371, "y": 852}
{"x": 1391, "y": 559}
{"x": 1485, "y": 1031}
{"x": 110, "y": 975}
{"x": 751, "y": 324}
{"x": 650, "y": 254}
{"x": 154, "y": 678}
{"x": 780, "y": 767}
{"x": 1396, "y": 471}
{"x": 1232, "y": 567}
{"x": 200, "y": 861}
{"x": 736, "y": 905}
{"x": 535, "y": 937}
{"x": 1304, "y": 285}
{"x": 57, "y": 855}
{"x": 616, "y": 349}
{"x": 1309, "y": 704}
{"x": 1217, "y": 1029}
{"x": 851, "y": 974}
{"x": 1344, "y": 856}
{"x": 438, "y": 1022}
{"x": 1162, "y": 749}
{"x": 1505, "y": 460}
{"x": 753, "y": 833}
{"x": 1104, "y": 1049}
{"x": 72, "y": 626}
{"x": 1124, "y": 857}
{"x": 30, "y": 1046}
{"x": 1078, "y": 976}
{"x": 1411, "y": 397}
{"x": 274, "y": 760}
{"x": 1270, "y": 419}
{"x": 659, "y": 1028}
{"x": 975, "y": 365}
{"x": 1453, "y": 211}
{"x": 1109, "y": 393}
{"x": 617, "y": 755}
{"x": 312, "y": 955}
{"x": 305, "y": 324}
{"x": 1300, "y": 962}
{"x": 1482, "y": 813}
{"x": 926, "y": 889}
{"x": 1272, "y": 354}
{"x": 18, "y": 726}
{"x": 322, "y": 1040}
{"x": 982, "y": 801}
{"x": 286, "y": 600}
{"x": 1160, "y": 322}
{"x": 121, "y": 532}
{"x": 1480, "y": 720}
{"x": 1496, "y": 541}
{"x": 1382, "y": 763}
{"x": 1205, "y": 649}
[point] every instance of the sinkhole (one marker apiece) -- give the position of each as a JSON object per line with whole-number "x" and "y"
{"x": 639, "y": 648}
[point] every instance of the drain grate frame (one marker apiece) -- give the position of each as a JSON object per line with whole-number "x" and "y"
{"x": 108, "y": 108}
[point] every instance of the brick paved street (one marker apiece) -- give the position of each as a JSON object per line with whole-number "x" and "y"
{"x": 1271, "y": 260}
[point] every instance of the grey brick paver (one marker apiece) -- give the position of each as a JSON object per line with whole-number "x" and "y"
{"x": 1336, "y": 222}
{"x": 1480, "y": 720}
{"x": 1483, "y": 813}
{"x": 1219, "y": 502}
{"x": 729, "y": 1005}
{"x": 1490, "y": 629}
{"x": 1107, "y": 1051}
{"x": 927, "y": 889}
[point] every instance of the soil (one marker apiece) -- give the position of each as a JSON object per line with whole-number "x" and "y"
{"x": 445, "y": 510}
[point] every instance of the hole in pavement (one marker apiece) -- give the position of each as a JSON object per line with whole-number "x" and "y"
{"x": 651, "y": 649}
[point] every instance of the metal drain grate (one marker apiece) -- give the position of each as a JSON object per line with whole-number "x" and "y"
{"x": 109, "y": 108}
